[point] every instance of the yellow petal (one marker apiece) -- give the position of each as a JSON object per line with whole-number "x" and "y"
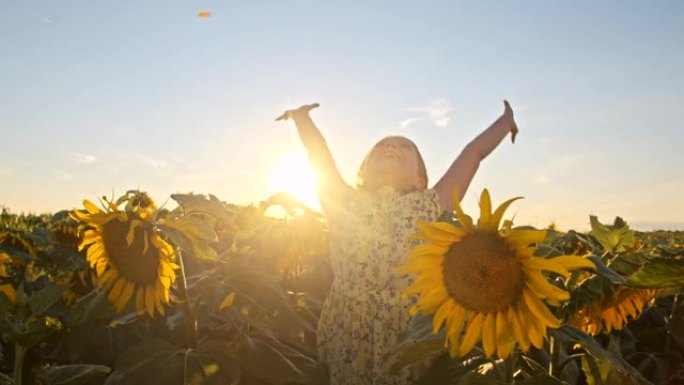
{"x": 522, "y": 238}
{"x": 441, "y": 315}
{"x": 124, "y": 297}
{"x": 439, "y": 233}
{"x": 489, "y": 334}
{"x": 90, "y": 206}
{"x": 131, "y": 231}
{"x": 547, "y": 265}
{"x": 472, "y": 335}
{"x": 228, "y": 301}
{"x": 465, "y": 220}
{"x": 504, "y": 339}
{"x": 116, "y": 290}
{"x": 140, "y": 300}
{"x": 454, "y": 326}
{"x": 485, "y": 212}
{"x": 541, "y": 285}
{"x": 498, "y": 214}
{"x": 519, "y": 332}
{"x": 149, "y": 300}
{"x": 540, "y": 310}
{"x": 574, "y": 262}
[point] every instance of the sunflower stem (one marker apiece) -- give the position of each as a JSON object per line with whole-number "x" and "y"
{"x": 675, "y": 307}
{"x": 554, "y": 350}
{"x": 510, "y": 362}
{"x": 190, "y": 319}
{"x": 19, "y": 355}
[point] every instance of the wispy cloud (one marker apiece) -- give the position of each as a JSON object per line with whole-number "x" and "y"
{"x": 84, "y": 158}
{"x": 157, "y": 164}
{"x": 437, "y": 111}
{"x": 46, "y": 20}
{"x": 63, "y": 175}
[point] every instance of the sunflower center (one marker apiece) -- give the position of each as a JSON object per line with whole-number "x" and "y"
{"x": 482, "y": 273}
{"x": 133, "y": 262}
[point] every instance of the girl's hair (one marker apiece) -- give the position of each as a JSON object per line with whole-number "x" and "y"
{"x": 363, "y": 185}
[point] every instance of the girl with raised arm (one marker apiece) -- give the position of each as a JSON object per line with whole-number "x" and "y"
{"x": 370, "y": 226}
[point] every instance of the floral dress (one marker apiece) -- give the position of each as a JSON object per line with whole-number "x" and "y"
{"x": 365, "y": 309}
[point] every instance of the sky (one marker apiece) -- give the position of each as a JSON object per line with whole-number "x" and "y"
{"x": 100, "y": 97}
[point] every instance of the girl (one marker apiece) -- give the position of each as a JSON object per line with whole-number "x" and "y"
{"x": 369, "y": 230}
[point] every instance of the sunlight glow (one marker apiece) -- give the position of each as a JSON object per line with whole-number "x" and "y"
{"x": 293, "y": 174}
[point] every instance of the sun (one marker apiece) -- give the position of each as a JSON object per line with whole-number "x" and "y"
{"x": 292, "y": 173}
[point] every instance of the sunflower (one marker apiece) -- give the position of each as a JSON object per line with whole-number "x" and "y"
{"x": 130, "y": 259}
{"x": 485, "y": 281}
{"x": 612, "y": 311}
{"x": 6, "y": 288}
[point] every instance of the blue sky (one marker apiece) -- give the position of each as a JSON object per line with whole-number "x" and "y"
{"x": 100, "y": 97}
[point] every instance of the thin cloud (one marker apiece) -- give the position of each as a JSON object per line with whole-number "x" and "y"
{"x": 63, "y": 175}
{"x": 84, "y": 158}
{"x": 46, "y": 20}
{"x": 437, "y": 111}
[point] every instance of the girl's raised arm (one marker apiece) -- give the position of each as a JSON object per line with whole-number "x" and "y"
{"x": 331, "y": 187}
{"x": 462, "y": 170}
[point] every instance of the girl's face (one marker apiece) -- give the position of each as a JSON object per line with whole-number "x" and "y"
{"x": 394, "y": 161}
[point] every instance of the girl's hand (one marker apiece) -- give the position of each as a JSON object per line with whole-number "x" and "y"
{"x": 508, "y": 116}
{"x": 295, "y": 114}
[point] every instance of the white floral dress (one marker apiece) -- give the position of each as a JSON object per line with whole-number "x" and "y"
{"x": 365, "y": 309}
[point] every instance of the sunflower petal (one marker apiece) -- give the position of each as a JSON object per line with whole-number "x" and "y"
{"x": 90, "y": 207}
{"x": 521, "y": 238}
{"x": 498, "y": 214}
{"x": 547, "y": 265}
{"x": 454, "y": 326}
{"x": 504, "y": 339}
{"x": 439, "y": 233}
{"x": 140, "y": 300}
{"x": 489, "y": 334}
{"x": 574, "y": 262}
{"x": 472, "y": 335}
{"x": 125, "y": 296}
{"x": 540, "y": 310}
{"x": 149, "y": 300}
{"x": 465, "y": 220}
{"x": 484, "y": 223}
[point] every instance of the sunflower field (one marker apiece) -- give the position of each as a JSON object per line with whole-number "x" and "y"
{"x": 123, "y": 291}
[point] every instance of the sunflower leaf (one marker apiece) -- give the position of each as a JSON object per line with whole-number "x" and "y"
{"x": 285, "y": 364}
{"x": 44, "y": 298}
{"x": 658, "y": 272}
{"x": 72, "y": 374}
{"x": 416, "y": 343}
{"x": 606, "y": 272}
{"x": 475, "y": 378}
{"x": 160, "y": 362}
{"x": 572, "y": 335}
{"x": 614, "y": 239}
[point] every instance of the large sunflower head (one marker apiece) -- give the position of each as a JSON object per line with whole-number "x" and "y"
{"x": 130, "y": 259}
{"x": 485, "y": 280}
{"x": 612, "y": 310}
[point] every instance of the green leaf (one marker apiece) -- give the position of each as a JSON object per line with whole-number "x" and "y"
{"x": 73, "y": 374}
{"x": 475, "y": 378}
{"x": 195, "y": 246}
{"x": 158, "y": 362}
{"x": 44, "y": 298}
{"x": 614, "y": 239}
{"x": 283, "y": 364}
{"x": 209, "y": 205}
{"x": 606, "y": 272}
{"x": 658, "y": 272}
{"x": 542, "y": 379}
{"x": 602, "y": 356}
{"x": 416, "y": 343}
